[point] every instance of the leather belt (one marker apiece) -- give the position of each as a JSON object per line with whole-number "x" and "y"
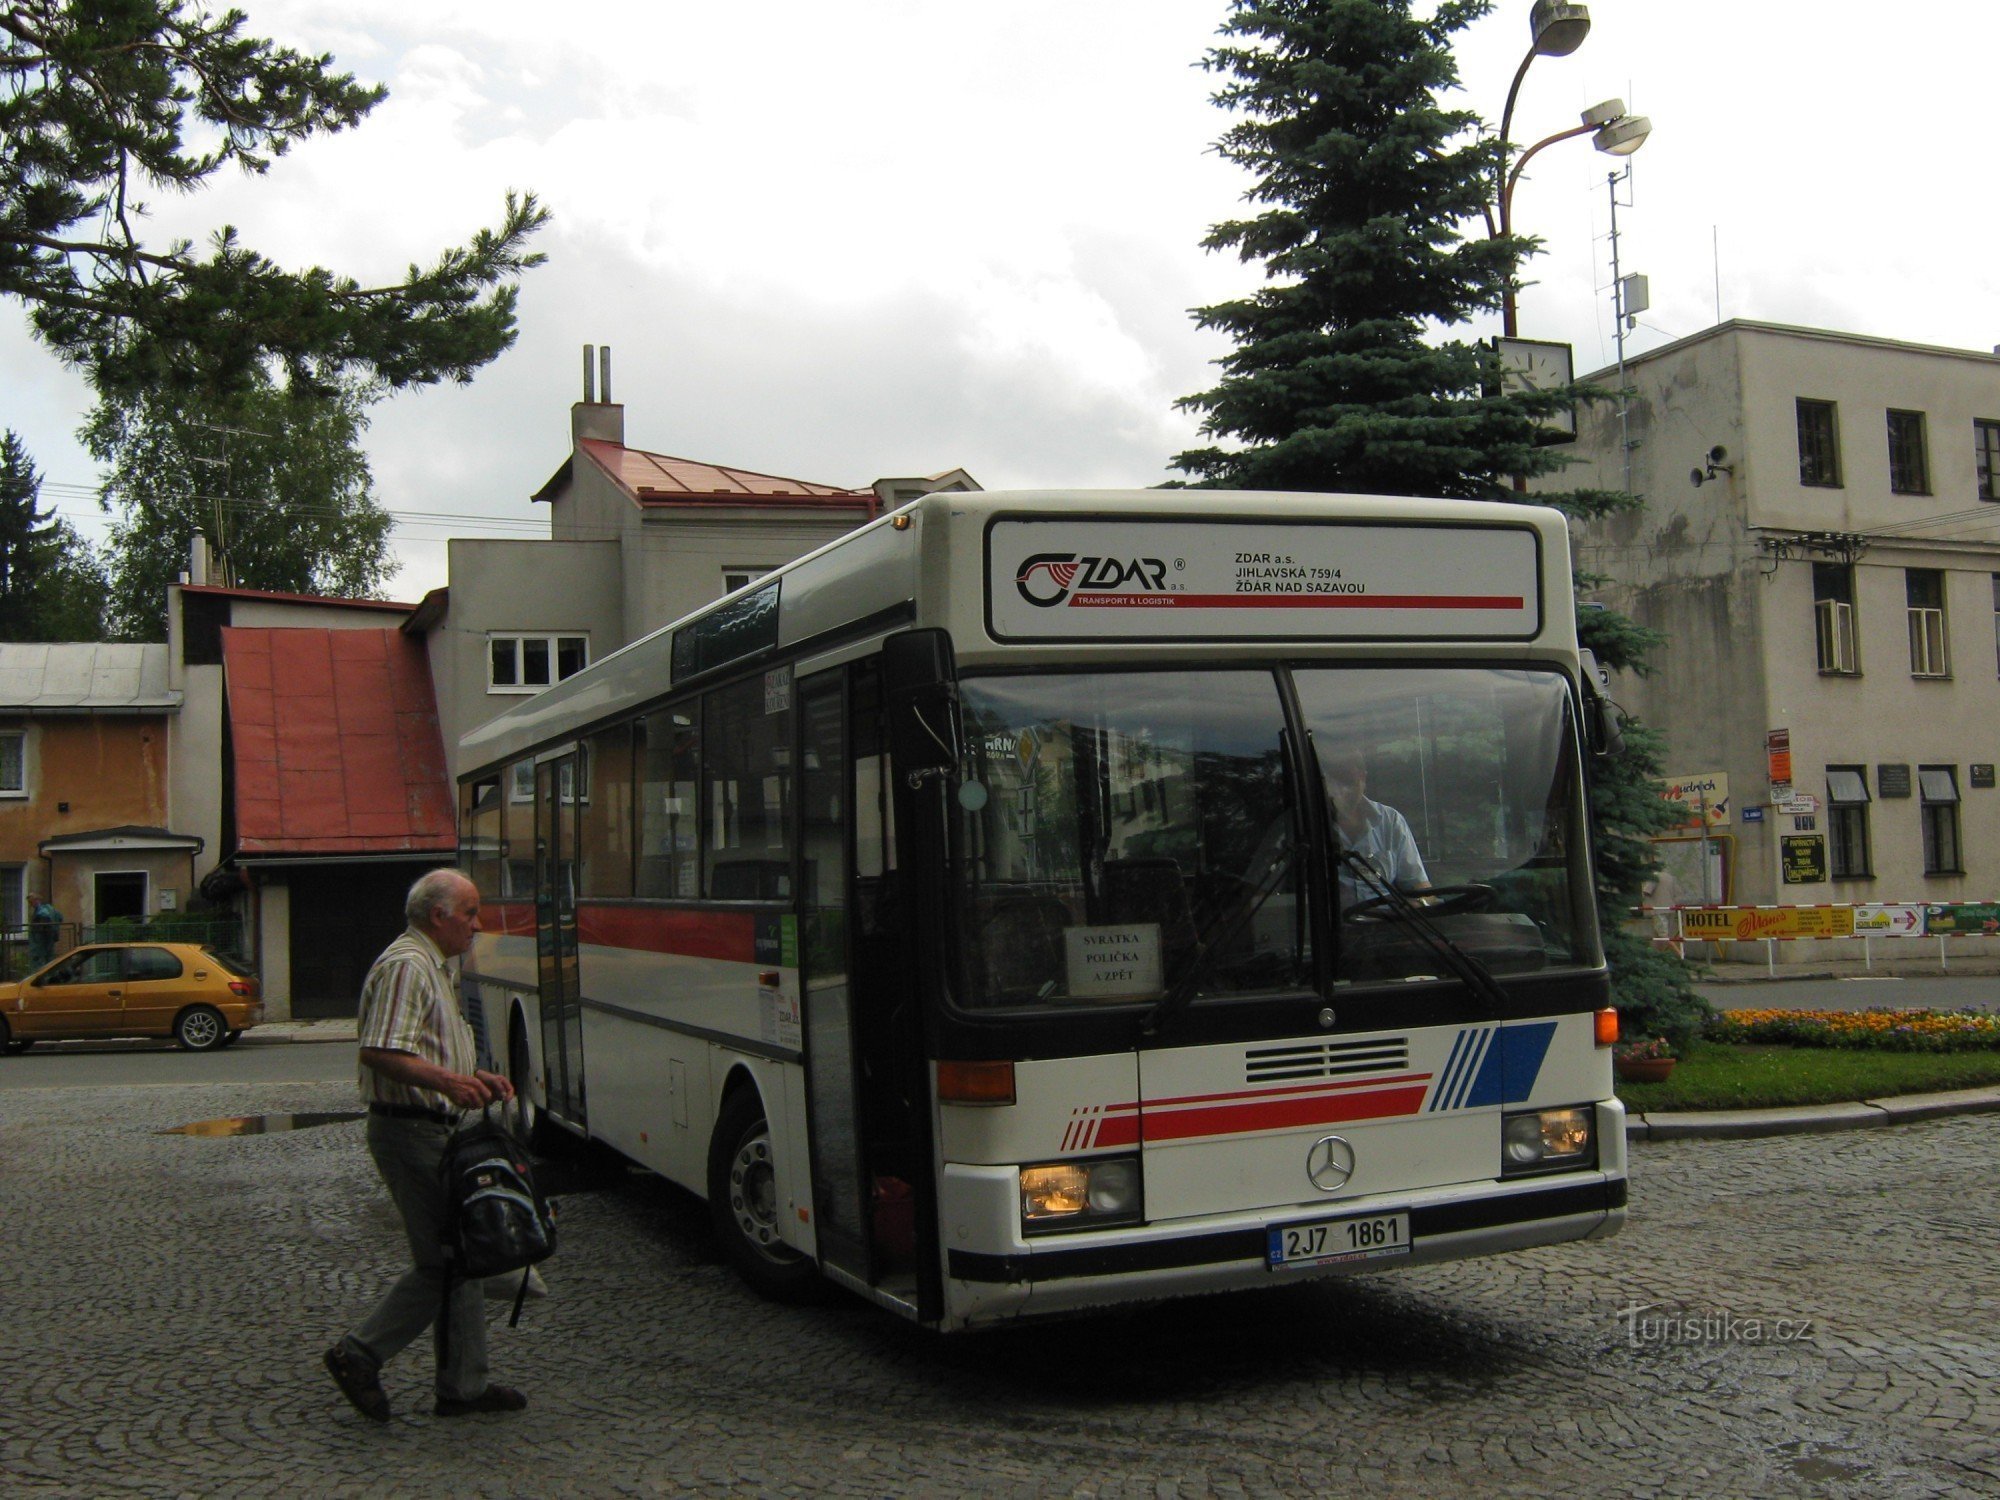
{"x": 412, "y": 1112}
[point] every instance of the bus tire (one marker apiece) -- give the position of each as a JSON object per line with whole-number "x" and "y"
{"x": 541, "y": 1134}
{"x": 743, "y": 1203}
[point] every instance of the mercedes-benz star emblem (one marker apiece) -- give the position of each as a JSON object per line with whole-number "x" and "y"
{"x": 1330, "y": 1163}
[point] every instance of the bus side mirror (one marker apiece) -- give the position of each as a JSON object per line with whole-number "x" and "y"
{"x": 920, "y": 692}
{"x": 1603, "y": 723}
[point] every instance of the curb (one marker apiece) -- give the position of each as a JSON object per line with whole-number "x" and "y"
{"x": 1808, "y": 1119}
{"x": 280, "y": 1033}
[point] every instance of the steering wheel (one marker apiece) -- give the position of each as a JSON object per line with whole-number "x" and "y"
{"x": 1435, "y": 901}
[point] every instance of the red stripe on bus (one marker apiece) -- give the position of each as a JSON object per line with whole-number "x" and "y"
{"x": 684, "y": 934}
{"x": 1297, "y": 601}
{"x": 1244, "y": 1096}
{"x": 1281, "y": 1114}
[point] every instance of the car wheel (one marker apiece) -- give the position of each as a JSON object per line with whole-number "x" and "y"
{"x": 9, "y": 1043}
{"x": 230, "y": 1040}
{"x": 200, "y": 1028}
{"x": 743, "y": 1204}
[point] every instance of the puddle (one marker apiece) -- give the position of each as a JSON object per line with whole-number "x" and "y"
{"x": 261, "y": 1124}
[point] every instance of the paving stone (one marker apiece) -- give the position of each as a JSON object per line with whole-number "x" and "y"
{"x": 168, "y": 1299}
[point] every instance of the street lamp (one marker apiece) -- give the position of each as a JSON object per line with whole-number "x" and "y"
{"x": 1558, "y": 29}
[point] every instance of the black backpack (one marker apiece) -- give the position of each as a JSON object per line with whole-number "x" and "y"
{"x": 496, "y": 1219}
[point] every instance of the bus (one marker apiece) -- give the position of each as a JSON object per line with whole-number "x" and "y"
{"x": 972, "y": 913}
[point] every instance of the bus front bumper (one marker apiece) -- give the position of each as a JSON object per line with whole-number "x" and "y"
{"x": 1067, "y": 1273}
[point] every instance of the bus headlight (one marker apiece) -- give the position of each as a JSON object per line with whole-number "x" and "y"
{"x": 1080, "y": 1194}
{"x": 1547, "y": 1140}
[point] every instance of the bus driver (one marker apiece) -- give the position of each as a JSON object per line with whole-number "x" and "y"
{"x": 1373, "y": 830}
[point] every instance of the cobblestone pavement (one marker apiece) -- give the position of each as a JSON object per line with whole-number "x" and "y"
{"x": 167, "y": 1299}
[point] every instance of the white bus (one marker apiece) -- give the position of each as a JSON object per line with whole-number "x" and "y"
{"x": 979, "y": 912}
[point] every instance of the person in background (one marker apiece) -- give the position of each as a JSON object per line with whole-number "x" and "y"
{"x": 44, "y": 926}
{"x": 417, "y": 1071}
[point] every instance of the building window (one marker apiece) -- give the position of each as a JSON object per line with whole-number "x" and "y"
{"x": 1939, "y": 786}
{"x": 1986, "y": 439}
{"x": 13, "y": 763}
{"x": 529, "y": 663}
{"x": 13, "y": 896}
{"x": 741, "y": 578}
{"x": 1847, "y": 822}
{"x": 1996, "y": 622}
{"x": 1929, "y": 656}
{"x": 1833, "y": 617}
{"x": 1909, "y": 455}
{"x": 1819, "y": 445}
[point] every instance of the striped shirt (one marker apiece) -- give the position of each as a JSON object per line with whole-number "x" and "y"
{"x": 407, "y": 1005}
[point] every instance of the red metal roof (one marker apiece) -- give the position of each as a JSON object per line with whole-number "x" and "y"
{"x": 660, "y": 479}
{"x": 335, "y": 744}
{"x": 235, "y": 593}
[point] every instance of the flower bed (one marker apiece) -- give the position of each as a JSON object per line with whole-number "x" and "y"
{"x": 1879, "y": 1030}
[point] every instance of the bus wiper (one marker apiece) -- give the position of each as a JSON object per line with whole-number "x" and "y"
{"x": 1474, "y": 974}
{"x": 1215, "y": 937}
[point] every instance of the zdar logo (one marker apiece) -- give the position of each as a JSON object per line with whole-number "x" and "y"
{"x": 1048, "y": 578}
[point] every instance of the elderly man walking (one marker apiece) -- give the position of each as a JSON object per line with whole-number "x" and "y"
{"x": 417, "y": 1069}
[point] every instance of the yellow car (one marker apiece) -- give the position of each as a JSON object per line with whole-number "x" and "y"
{"x": 180, "y": 990}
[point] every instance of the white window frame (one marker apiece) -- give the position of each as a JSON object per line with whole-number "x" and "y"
{"x": 743, "y": 575}
{"x": 552, "y": 640}
{"x": 1930, "y": 644}
{"x": 1833, "y": 621}
{"x": 20, "y": 739}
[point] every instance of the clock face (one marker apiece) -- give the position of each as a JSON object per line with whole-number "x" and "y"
{"x": 1539, "y": 365}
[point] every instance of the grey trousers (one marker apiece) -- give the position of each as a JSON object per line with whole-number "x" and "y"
{"x": 408, "y": 1153}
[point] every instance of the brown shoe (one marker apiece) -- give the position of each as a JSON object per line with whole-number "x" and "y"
{"x": 359, "y": 1383}
{"x": 493, "y": 1398}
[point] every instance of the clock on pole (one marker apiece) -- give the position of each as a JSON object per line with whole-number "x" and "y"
{"x": 1539, "y": 365}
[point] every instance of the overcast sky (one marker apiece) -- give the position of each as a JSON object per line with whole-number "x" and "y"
{"x": 888, "y": 237}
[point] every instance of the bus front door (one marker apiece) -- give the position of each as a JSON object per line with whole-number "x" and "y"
{"x": 838, "y": 1154}
{"x": 555, "y": 936}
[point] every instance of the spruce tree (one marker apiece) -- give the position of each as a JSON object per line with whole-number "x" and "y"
{"x": 1345, "y": 376}
{"x": 52, "y": 586}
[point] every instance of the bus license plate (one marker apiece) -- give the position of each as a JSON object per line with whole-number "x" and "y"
{"x": 1329, "y": 1242}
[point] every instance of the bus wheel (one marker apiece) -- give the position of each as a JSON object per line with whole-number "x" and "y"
{"x": 743, "y": 1203}
{"x": 542, "y": 1136}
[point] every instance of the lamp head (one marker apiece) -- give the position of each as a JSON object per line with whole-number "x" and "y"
{"x": 1559, "y": 28}
{"x": 1623, "y": 137}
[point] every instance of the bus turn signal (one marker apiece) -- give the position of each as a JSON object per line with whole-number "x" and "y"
{"x": 1607, "y": 1027}
{"x": 975, "y": 1082}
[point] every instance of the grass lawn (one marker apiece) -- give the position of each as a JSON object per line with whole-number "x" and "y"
{"x": 1718, "y": 1075}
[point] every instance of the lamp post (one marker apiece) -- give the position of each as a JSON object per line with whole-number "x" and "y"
{"x": 1558, "y": 30}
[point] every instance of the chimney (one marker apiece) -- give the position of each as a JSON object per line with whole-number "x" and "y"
{"x": 593, "y": 417}
{"x": 198, "y": 561}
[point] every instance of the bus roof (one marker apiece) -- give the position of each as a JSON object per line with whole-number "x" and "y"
{"x": 1137, "y": 566}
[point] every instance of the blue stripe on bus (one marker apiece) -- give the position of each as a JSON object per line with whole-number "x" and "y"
{"x": 1479, "y": 1073}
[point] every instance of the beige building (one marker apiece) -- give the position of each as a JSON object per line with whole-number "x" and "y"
{"x": 1821, "y": 549}
{"x": 636, "y": 540}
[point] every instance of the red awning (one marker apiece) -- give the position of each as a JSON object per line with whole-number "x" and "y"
{"x": 335, "y": 744}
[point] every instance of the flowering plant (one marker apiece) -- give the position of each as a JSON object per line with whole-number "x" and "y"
{"x": 1643, "y": 1051}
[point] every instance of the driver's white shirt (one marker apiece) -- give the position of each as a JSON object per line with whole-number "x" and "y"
{"x": 1388, "y": 845}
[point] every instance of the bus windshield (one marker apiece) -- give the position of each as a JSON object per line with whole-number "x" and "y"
{"x": 1122, "y": 833}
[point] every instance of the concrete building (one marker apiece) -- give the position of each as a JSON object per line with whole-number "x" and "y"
{"x": 636, "y": 540}
{"x": 1821, "y": 549}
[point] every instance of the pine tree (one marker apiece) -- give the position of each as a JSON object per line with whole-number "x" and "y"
{"x": 102, "y": 101}
{"x": 1343, "y": 377}
{"x": 274, "y": 480}
{"x": 52, "y": 586}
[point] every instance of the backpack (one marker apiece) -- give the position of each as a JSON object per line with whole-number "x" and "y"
{"x": 496, "y": 1219}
